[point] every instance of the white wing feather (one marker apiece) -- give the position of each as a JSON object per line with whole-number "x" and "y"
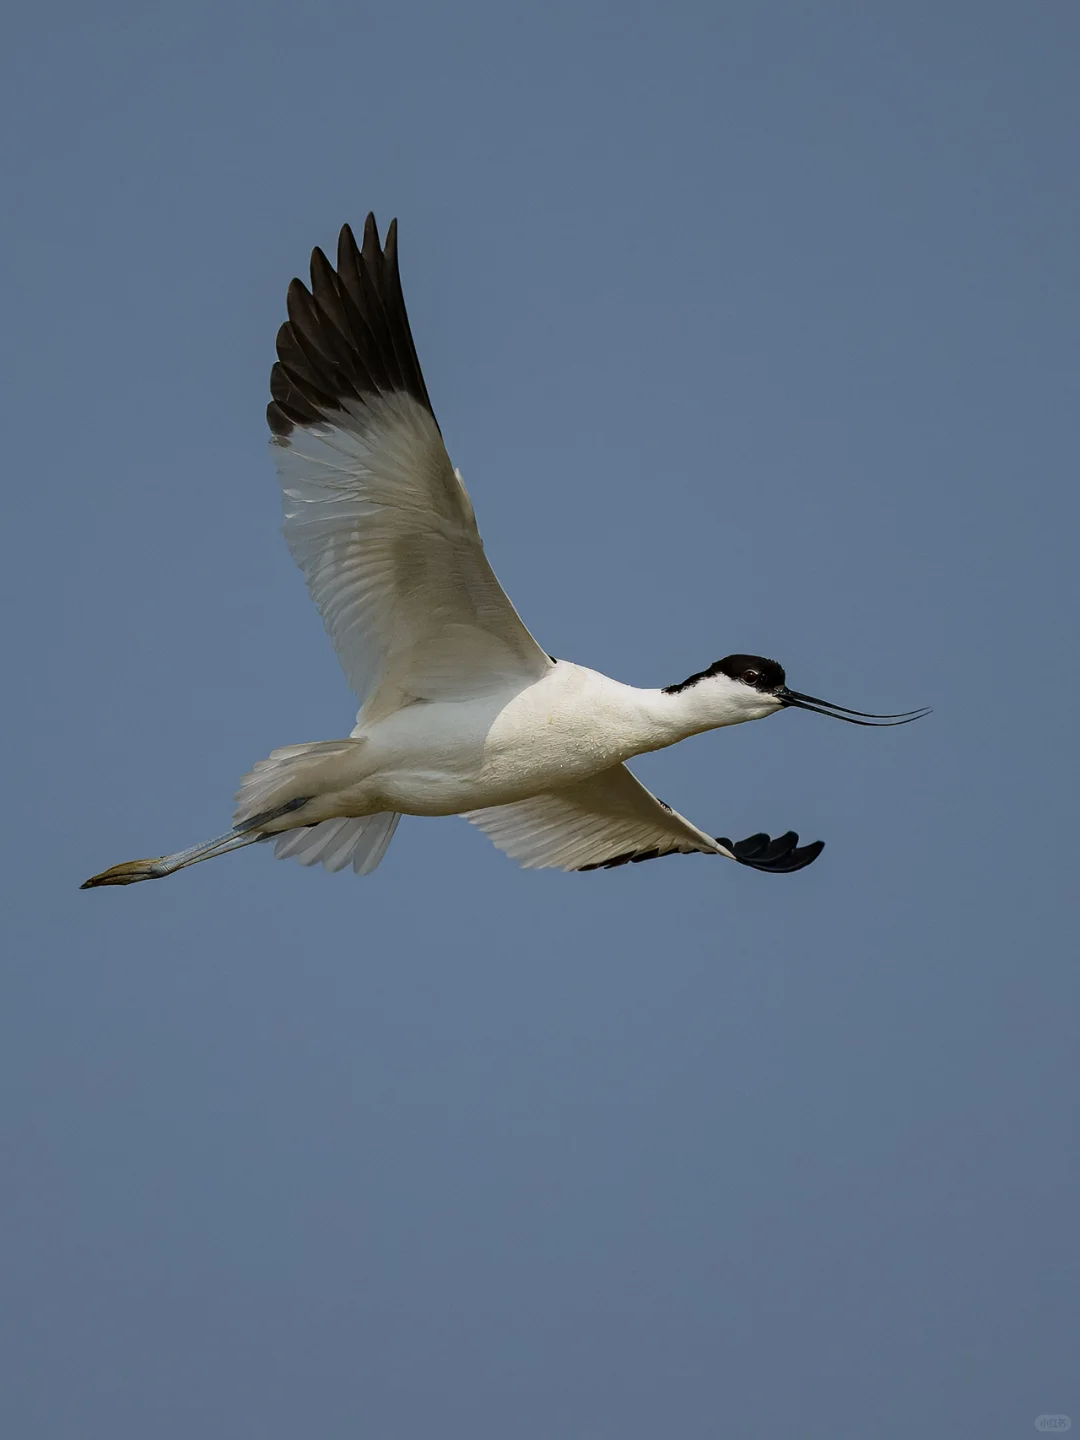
{"x": 384, "y": 532}
{"x": 608, "y": 819}
{"x": 375, "y": 515}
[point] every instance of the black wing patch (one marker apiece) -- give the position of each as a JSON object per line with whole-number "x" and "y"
{"x": 781, "y": 856}
{"x": 346, "y": 337}
{"x": 633, "y": 857}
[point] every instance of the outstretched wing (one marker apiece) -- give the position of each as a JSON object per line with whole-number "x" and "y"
{"x": 611, "y": 819}
{"x": 375, "y": 515}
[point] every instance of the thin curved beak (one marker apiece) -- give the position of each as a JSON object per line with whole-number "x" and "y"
{"x": 840, "y": 712}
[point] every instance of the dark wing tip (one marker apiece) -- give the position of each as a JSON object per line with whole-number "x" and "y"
{"x": 390, "y": 255}
{"x": 371, "y": 249}
{"x": 297, "y": 293}
{"x": 631, "y": 857}
{"x": 281, "y": 427}
{"x": 321, "y": 269}
{"x": 782, "y": 856}
{"x": 346, "y": 245}
{"x": 347, "y": 337}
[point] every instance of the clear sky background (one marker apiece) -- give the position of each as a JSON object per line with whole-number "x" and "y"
{"x": 753, "y": 328}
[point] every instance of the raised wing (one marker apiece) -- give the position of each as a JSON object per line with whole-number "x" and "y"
{"x": 611, "y": 819}
{"x": 375, "y": 515}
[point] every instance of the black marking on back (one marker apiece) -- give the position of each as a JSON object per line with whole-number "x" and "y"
{"x": 346, "y": 337}
{"x": 770, "y": 675}
{"x": 781, "y": 856}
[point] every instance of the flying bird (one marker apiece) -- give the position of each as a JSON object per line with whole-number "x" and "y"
{"x": 462, "y": 712}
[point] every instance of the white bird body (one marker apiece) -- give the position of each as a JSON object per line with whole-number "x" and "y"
{"x": 462, "y": 712}
{"x": 451, "y": 757}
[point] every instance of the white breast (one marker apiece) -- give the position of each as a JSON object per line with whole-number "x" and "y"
{"x": 440, "y": 758}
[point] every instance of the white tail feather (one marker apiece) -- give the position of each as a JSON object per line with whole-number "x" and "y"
{"x": 270, "y": 803}
{"x": 361, "y": 842}
{"x": 288, "y": 773}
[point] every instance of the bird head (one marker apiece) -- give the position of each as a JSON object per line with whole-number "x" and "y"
{"x": 749, "y": 687}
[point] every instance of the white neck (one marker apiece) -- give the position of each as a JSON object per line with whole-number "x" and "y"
{"x": 706, "y": 705}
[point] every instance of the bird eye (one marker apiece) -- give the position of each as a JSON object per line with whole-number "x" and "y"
{"x": 751, "y": 677}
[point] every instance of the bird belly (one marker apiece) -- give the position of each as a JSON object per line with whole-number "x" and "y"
{"x": 442, "y": 758}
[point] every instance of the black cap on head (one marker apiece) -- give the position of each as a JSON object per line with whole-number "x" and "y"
{"x": 752, "y": 670}
{"x": 768, "y": 677}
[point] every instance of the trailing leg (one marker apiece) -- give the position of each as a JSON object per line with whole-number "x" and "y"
{"x": 247, "y": 833}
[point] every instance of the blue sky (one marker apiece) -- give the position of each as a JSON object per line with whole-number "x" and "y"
{"x": 752, "y": 328}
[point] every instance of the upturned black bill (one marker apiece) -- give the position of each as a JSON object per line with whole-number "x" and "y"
{"x": 841, "y": 712}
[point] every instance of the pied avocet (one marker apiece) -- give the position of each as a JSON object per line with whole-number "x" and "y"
{"x": 462, "y": 712}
